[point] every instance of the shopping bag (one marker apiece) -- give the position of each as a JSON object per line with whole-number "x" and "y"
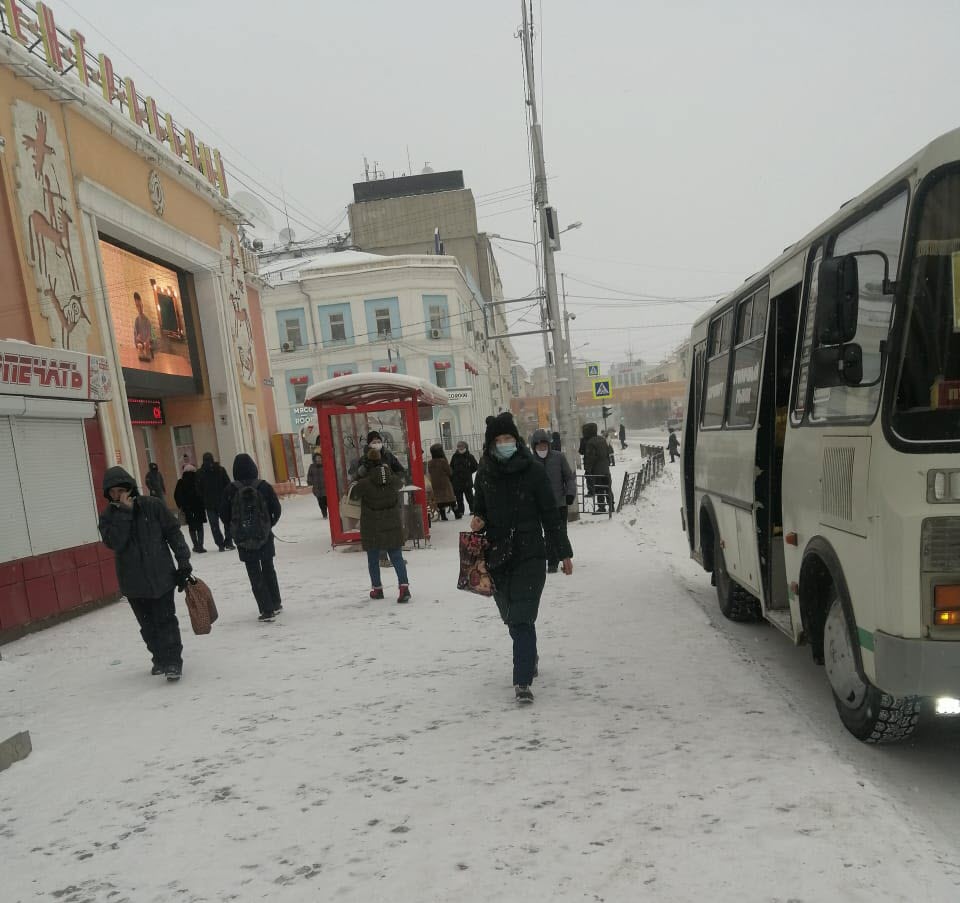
{"x": 200, "y": 605}
{"x": 474, "y": 576}
{"x": 350, "y": 503}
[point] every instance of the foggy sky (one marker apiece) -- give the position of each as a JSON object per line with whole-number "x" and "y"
{"x": 694, "y": 140}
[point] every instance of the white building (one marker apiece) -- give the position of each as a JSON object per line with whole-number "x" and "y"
{"x": 336, "y": 313}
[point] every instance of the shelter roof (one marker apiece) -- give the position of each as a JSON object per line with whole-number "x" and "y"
{"x": 376, "y": 388}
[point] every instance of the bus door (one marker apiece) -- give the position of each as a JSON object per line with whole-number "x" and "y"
{"x": 689, "y": 444}
{"x": 771, "y": 431}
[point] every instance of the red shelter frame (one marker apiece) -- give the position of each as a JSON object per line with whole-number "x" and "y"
{"x": 348, "y": 407}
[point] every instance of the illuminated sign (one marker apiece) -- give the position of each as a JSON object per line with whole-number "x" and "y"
{"x": 66, "y": 54}
{"x": 146, "y": 411}
{"x": 52, "y": 372}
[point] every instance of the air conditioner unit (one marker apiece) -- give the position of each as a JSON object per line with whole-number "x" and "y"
{"x": 435, "y": 334}
{"x": 288, "y": 346}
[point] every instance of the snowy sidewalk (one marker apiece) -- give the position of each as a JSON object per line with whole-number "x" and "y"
{"x": 369, "y": 751}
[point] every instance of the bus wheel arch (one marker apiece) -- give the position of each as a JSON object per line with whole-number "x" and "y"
{"x": 870, "y": 714}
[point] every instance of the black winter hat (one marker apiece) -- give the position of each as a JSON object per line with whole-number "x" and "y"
{"x": 501, "y": 425}
{"x": 244, "y": 468}
{"x": 373, "y": 434}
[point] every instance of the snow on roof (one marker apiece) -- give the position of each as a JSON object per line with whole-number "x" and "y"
{"x": 323, "y": 260}
{"x": 373, "y": 388}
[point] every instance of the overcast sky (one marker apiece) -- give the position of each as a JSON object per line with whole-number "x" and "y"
{"x": 693, "y": 139}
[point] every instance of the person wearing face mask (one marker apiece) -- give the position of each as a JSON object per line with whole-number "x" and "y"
{"x": 514, "y": 504}
{"x": 375, "y": 443}
{"x": 563, "y": 482}
{"x": 464, "y": 466}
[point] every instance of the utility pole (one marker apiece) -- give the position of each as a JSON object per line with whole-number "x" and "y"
{"x": 562, "y": 384}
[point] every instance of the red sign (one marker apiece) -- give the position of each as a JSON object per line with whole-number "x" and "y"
{"x": 52, "y": 372}
{"x": 299, "y": 380}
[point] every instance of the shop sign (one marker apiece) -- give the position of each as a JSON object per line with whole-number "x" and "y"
{"x": 146, "y": 411}
{"x": 66, "y": 54}
{"x": 53, "y": 373}
{"x": 302, "y": 415}
{"x": 460, "y": 396}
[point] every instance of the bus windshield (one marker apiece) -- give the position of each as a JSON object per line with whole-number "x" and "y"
{"x": 926, "y": 403}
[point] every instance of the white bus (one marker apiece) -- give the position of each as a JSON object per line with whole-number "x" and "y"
{"x": 821, "y": 447}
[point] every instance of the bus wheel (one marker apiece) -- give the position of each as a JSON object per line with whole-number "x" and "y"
{"x": 867, "y": 712}
{"x": 735, "y": 602}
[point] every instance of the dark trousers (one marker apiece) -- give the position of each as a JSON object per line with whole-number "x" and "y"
{"x": 263, "y": 582}
{"x": 524, "y": 653}
{"x": 673, "y": 456}
{"x": 396, "y": 559}
{"x": 462, "y": 494}
{"x": 601, "y": 490}
{"x": 551, "y": 561}
{"x": 196, "y": 535}
{"x": 442, "y": 508}
{"x": 160, "y": 628}
{"x": 214, "y": 518}
{"x": 322, "y": 502}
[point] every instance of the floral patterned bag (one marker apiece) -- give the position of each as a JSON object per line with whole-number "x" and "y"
{"x": 474, "y": 576}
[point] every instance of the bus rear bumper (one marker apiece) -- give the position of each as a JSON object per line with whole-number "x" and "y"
{"x": 916, "y": 667}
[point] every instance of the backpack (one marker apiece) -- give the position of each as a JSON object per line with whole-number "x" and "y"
{"x": 249, "y": 517}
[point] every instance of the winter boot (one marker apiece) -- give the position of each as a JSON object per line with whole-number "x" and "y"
{"x": 524, "y": 694}
{"x": 157, "y": 669}
{"x": 376, "y": 592}
{"x": 267, "y": 616}
{"x": 174, "y": 672}
{"x": 404, "y": 593}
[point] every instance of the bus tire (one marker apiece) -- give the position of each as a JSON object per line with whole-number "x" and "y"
{"x": 735, "y": 602}
{"x": 866, "y": 711}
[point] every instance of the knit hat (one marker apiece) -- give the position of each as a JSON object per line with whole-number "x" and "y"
{"x": 373, "y": 434}
{"x": 501, "y": 425}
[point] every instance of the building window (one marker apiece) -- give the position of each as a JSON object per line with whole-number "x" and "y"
{"x": 292, "y": 327}
{"x": 443, "y": 373}
{"x": 384, "y": 330}
{"x": 293, "y": 334}
{"x": 336, "y": 324}
{"x": 436, "y": 316}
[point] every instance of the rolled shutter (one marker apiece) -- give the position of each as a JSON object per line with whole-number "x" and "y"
{"x": 14, "y": 539}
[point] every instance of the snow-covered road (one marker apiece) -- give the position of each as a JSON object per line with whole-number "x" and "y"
{"x": 359, "y": 750}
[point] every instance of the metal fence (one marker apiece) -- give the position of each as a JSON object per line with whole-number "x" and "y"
{"x": 634, "y": 483}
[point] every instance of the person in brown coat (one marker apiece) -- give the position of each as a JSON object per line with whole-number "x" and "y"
{"x": 440, "y": 479}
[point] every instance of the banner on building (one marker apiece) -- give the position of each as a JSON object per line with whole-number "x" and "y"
{"x": 53, "y": 373}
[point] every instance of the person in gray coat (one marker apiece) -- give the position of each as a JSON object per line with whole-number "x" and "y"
{"x": 142, "y": 532}
{"x": 563, "y": 482}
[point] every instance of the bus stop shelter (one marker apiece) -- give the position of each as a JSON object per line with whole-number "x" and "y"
{"x": 348, "y": 408}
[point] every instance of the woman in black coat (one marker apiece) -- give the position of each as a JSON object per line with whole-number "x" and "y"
{"x": 515, "y": 505}
{"x": 464, "y": 466}
{"x": 190, "y": 502}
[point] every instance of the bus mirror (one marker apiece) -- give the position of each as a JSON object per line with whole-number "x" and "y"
{"x": 839, "y": 365}
{"x": 838, "y": 300}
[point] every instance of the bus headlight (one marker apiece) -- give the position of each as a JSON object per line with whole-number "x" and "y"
{"x": 943, "y": 486}
{"x": 947, "y": 705}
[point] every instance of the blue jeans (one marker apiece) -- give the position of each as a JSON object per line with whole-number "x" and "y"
{"x": 396, "y": 559}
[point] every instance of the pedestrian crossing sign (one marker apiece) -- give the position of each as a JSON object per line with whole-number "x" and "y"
{"x": 593, "y": 370}
{"x": 601, "y": 388}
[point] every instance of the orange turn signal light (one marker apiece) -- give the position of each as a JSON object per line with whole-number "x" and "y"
{"x": 946, "y": 605}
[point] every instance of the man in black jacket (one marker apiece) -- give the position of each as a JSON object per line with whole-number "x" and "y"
{"x": 257, "y": 556}
{"x": 142, "y": 532}
{"x": 212, "y": 480}
{"x": 596, "y": 465}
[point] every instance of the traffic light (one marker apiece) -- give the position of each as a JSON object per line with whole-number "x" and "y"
{"x": 607, "y": 411}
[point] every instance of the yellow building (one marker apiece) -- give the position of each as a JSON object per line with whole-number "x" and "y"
{"x": 118, "y": 248}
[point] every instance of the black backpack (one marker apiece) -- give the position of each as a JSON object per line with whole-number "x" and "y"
{"x": 249, "y": 517}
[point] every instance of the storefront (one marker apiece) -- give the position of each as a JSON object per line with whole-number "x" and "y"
{"x": 119, "y": 240}
{"x": 51, "y": 560}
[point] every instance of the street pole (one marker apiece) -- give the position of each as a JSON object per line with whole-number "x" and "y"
{"x": 562, "y": 385}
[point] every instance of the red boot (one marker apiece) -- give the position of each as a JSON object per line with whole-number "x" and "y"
{"x": 404, "y": 593}
{"x": 376, "y": 592}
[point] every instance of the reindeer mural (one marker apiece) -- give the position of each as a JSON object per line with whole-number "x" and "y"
{"x": 48, "y": 222}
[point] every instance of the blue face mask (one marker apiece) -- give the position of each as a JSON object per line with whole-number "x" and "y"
{"x": 507, "y": 451}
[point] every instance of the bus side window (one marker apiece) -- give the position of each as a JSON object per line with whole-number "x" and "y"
{"x": 715, "y": 381}
{"x": 806, "y": 348}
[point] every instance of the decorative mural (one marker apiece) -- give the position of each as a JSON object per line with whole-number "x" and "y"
{"x": 48, "y": 221}
{"x": 241, "y": 331}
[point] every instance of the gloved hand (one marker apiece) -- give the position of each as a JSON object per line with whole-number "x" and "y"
{"x": 570, "y": 500}
{"x": 181, "y": 576}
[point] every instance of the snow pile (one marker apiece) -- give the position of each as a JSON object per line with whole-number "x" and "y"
{"x": 364, "y": 750}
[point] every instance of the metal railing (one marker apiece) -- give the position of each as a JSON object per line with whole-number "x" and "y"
{"x": 634, "y": 483}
